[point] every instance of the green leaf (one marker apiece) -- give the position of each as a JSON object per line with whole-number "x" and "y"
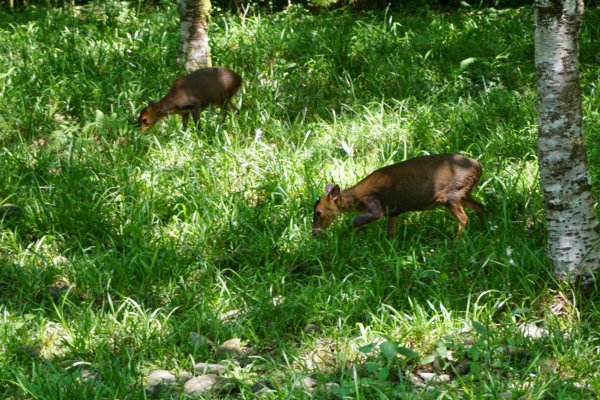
{"x": 521, "y": 310}
{"x": 372, "y": 366}
{"x": 407, "y": 352}
{"x": 367, "y": 348}
{"x": 466, "y": 62}
{"x": 427, "y": 54}
{"x": 343, "y": 390}
{"x": 480, "y": 328}
{"x": 347, "y": 148}
{"x": 442, "y": 351}
{"x": 428, "y": 359}
{"x": 389, "y": 349}
{"x": 383, "y": 373}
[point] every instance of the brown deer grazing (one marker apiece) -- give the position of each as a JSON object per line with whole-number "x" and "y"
{"x": 192, "y": 93}
{"x": 416, "y": 184}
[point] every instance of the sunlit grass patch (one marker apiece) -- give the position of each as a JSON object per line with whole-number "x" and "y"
{"x": 130, "y": 247}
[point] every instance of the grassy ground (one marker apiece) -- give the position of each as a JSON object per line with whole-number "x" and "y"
{"x": 130, "y": 244}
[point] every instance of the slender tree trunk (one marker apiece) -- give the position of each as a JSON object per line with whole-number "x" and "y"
{"x": 194, "y": 49}
{"x": 573, "y": 228}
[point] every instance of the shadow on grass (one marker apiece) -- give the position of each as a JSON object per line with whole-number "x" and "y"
{"x": 346, "y": 275}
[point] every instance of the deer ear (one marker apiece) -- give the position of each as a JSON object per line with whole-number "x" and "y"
{"x": 334, "y": 193}
{"x": 328, "y": 188}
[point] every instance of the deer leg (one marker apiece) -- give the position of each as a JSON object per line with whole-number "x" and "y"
{"x": 476, "y": 206}
{"x": 458, "y": 212}
{"x": 366, "y": 217}
{"x": 223, "y": 111}
{"x": 473, "y": 204}
{"x": 196, "y": 116}
{"x": 232, "y": 105}
{"x": 392, "y": 226}
{"x": 184, "y": 119}
{"x": 227, "y": 103}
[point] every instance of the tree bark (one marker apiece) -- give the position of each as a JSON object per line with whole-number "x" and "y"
{"x": 194, "y": 49}
{"x": 573, "y": 228}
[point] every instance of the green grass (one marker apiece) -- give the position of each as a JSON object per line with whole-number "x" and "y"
{"x": 157, "y": 235}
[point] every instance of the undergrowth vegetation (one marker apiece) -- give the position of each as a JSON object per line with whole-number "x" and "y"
{"x": 130, "y": 243}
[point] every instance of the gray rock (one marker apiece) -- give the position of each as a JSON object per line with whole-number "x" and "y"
{"x": 55, "y": 291}
{"x": 200, "y": 341}
{"x": 184, "y": 376}
{"x": 160, "y": 376}
{"x": 533, "y": 332}
{"x": 200, "y": 384}
{"x": 83, "y": 370}
{"x": 60, "y": 260}
{"x": 56, "y": 340}
{"x": 28, "y": 350}
{"x": 263, "y": 387}
{"x": 204, "y": 384}
{"x": 430, "y": 377}
{"x": 328, "y": 387}
{"x": 309, "y": 382}
{"x": 426, "y": 376}
{"x": 462, "y": 368}
{"x": 313, "y": 329}
{"x": 516, "y": 351}
{"x": 312, "y": 386}
{"x": 231, "y": 315}
{"x": 90, "y": 374}
{"x": 9, "y": 211}
{"x": 231, "y": 348}
{"x": 205, "y": 368}
{"x": 277, "y": 300}
{"x": 159, "y": 381}
{"x": 323, "y": 355}
{"x": 414, "y": 380}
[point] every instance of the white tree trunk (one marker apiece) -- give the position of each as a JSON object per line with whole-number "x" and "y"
{"x": 194, "y": 50}
{"x": 573, "y": 229}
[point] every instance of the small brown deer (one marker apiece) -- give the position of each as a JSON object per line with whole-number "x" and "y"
{"x": 417, "y": 184}
{"x": 192, "y": 93}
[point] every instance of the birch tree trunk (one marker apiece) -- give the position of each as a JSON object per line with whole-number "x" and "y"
{"x": 194, "y": 50}
{"x": 573, "y": 228}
